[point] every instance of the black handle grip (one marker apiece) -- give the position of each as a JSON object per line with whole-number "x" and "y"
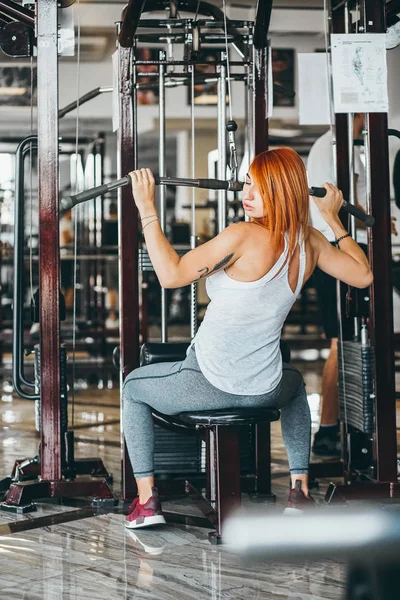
{"x": 69, "y": 201}
{"x": 317, "y": 192}
{"x": 213, "y": 184}
{"x": 358, "y": 213}
{"x": 369, "y": 220}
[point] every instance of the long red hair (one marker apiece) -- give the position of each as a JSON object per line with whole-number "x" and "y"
{"x": 281, "y": 179}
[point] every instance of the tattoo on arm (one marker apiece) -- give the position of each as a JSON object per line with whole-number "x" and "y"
{"x": 205, "y": 272}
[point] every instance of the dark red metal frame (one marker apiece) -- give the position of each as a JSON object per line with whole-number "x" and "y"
{"x": 129, "y": 243}
{"x": 52, "y": 483}
{"x": 128, "y": 219}
{"x": 381, "y": 310}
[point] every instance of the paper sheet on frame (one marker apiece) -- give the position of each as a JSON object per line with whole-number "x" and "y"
{"x": 359, "y": 72}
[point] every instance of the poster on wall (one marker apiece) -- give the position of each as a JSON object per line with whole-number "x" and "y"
{"x": 18, "y": 86}
{"x": 283, "y": 74}
{"x": 359, "y": 72}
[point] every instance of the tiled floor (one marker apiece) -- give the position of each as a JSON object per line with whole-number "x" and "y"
{"x": 69, "y": 551}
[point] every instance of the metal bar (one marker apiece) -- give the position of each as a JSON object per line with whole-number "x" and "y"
{"x": 19, "y": 378}
{"x": 381, "y": 311}
{"x": 186, "y": 62}
{"x": 341, "y": 128}
{"x": 261, "y": 100}
{"x": 130, "y": 19}
{"x": 129, "y": 243}
{"x": 134, "y": 9}
{"x": 202, "y": 8}
{"x": 249, "y": 107}
{"x": 260, "y": 144}
{"x": 340, "y": 4}
{"x": 261, "y": 23}
{"x": 4, "y": 20}
{"x": 209, "y": 184}
{"x": 157, "y": 38}
{"x": 263, "y": 458}
{"x": 182, "y": 23}
{"x": 227, "y": 465}
{"x": 352, "y": 195}
{"x": 162, "y": 192}
{"x": 350, "y": 127}
{"x": 83, "y": 99}
{"x": 17, "y": 12}
{"x": 49, "y": 255}
{"x": 393, "y": 6}
{"x": 193, "y": 238}
{"x": 222, "y": 195}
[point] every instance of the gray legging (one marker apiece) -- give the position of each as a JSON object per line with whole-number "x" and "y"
{"x": 174, "y": 387}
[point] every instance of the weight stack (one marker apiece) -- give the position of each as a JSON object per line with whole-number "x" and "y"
{"x": 356, "y": 385}
{"x": 64, "y": 392}
{"x": 175, "y": 452}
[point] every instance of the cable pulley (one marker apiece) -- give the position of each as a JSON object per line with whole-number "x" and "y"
{"x": 235, "y": 184}
{"x": 16, "y": 39}
{"x": 196, "y": 43}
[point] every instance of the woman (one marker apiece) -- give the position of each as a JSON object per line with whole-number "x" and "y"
{"x": 255, "y": 271}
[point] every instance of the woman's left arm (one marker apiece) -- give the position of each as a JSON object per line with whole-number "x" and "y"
{"x": 172, "y": 270}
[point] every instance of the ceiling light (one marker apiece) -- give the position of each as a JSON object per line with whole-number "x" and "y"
{"x": 13, "y": 91}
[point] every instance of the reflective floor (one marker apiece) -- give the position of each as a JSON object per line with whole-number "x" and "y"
{"x": 71, "y": 551}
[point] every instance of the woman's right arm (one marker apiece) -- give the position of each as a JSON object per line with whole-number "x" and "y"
{"x": 347, "y": 263}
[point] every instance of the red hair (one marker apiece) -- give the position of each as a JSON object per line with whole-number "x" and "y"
{"x": 281, "y": 179}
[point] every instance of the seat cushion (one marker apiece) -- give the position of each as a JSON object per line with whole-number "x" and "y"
{"x": 157, "y": 352}
{"x": 230, "y": 416}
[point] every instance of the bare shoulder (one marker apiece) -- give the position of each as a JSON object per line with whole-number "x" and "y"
{"x": 247, "y": 228}
{"x": 318, "y": 241}
{"x": 315, "y": 237}
{"x": 238, "y": 231}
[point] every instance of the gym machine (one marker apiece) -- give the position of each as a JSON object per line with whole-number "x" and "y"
{"x": 256, "y": 110}
{"x": 57, "y": 464}
{"x": 366, "y": 350}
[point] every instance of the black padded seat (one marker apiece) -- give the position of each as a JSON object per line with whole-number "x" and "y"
{"x": 230, "y": 416}
{"x": 157, "y": 352}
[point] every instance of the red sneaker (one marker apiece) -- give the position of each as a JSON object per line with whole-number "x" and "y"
{"x": 298, "y": 502}
{"x": 143, "y": 515}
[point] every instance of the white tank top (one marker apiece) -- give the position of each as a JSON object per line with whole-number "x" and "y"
{"x": 237, "y": 344}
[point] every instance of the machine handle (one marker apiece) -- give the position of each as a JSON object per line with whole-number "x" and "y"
{"x": 69, "y": 202}
{"x": 369, "y": 220}
{"x": 208, "y": 184}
